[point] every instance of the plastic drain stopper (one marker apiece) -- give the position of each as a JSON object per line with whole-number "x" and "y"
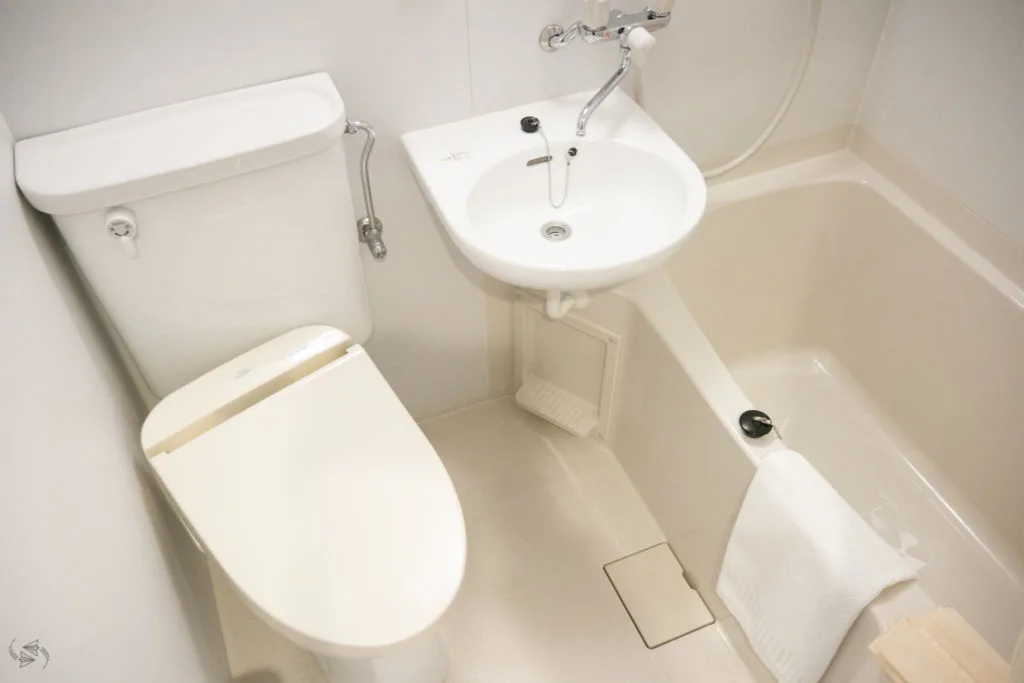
{"x": 529, "y": 124}
{"x": 756, "y": 424}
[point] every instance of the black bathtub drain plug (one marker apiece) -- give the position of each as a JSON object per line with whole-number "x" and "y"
{"x": 756, "y": 424}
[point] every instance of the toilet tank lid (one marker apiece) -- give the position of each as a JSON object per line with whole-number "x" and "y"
{"x": 175, "y": 147}
{"x": 238, "y": 384}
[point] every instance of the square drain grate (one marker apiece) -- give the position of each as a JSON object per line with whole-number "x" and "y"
{"x": 653, "y": 588}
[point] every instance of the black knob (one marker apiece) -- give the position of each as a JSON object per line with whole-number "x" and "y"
{"x": 530, "y": 124}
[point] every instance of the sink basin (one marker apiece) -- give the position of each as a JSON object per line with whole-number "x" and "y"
{"x": 632, "y": 194}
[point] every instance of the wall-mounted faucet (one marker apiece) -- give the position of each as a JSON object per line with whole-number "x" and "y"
{"x": 555, "y": 37}
{"x": 619, "y": 26}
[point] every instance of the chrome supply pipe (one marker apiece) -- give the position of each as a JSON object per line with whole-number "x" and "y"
{"x": 371, "y": 229}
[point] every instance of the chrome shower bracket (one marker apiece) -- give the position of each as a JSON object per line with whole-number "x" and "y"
{"x": 371, "y": 229}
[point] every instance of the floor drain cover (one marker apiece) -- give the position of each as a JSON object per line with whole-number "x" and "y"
{"x": 660, "y": 601}
{"x": 556, "y": 232}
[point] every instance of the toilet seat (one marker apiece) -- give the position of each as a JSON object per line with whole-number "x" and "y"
{"x": 328, "y": 510}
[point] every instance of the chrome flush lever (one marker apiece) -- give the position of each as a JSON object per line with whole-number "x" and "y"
{"x": 371, "y": 229}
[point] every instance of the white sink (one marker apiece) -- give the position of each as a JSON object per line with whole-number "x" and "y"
{"x": 633, "y": 194}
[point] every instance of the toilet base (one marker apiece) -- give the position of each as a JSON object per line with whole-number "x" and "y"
{"x": 421, "y": 660}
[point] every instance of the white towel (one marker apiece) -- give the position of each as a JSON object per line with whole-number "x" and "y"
{"x": 800, "y": 567}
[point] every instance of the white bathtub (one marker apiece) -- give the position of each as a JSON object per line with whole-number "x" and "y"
{"x": 889, "y": 353}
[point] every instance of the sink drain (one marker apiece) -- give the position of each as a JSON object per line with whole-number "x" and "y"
{"x": 556, "y": 232}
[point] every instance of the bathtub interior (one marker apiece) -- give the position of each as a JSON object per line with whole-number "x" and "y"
{"x": 883, "y": 358}
{"x": 674, "y": 436}
{"x": 858, "y": 329}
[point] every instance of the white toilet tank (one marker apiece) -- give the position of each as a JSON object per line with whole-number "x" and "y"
{"x": 239, "y": 220}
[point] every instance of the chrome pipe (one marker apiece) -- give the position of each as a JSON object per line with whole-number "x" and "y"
{"x": 370, "y": 227}
{"x": 606, "y": 89}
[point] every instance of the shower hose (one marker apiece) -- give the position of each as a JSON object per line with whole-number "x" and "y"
{"x": 784, "y": 106}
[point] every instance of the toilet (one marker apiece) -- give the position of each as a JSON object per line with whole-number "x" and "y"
{"x": 299, "y": 472}
{"x": 219, "y": 238}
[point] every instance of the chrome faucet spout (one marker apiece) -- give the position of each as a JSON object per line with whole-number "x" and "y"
{"x": 625, "y": 55}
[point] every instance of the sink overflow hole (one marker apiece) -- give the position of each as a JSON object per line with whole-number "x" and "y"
{"x": 556, "y": 232}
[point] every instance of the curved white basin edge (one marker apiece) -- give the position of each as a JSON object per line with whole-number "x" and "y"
{"x": 633, "y": 194}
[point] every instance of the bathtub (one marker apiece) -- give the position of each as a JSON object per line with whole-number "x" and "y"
{"x": 887, "y": 351}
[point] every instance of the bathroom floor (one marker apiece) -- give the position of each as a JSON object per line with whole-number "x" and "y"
{"x": 544, "y": 513}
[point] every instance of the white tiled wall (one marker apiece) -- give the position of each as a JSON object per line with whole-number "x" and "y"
{"x": 509, "y": 68}
{"x": 947, "y": 95}
{"x": 715, "y": 78}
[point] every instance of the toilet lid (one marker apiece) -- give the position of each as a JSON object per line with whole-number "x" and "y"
{"x": 328, "y": 509}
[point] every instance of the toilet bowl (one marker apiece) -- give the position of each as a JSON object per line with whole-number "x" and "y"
{"x": 298, "y": 471}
